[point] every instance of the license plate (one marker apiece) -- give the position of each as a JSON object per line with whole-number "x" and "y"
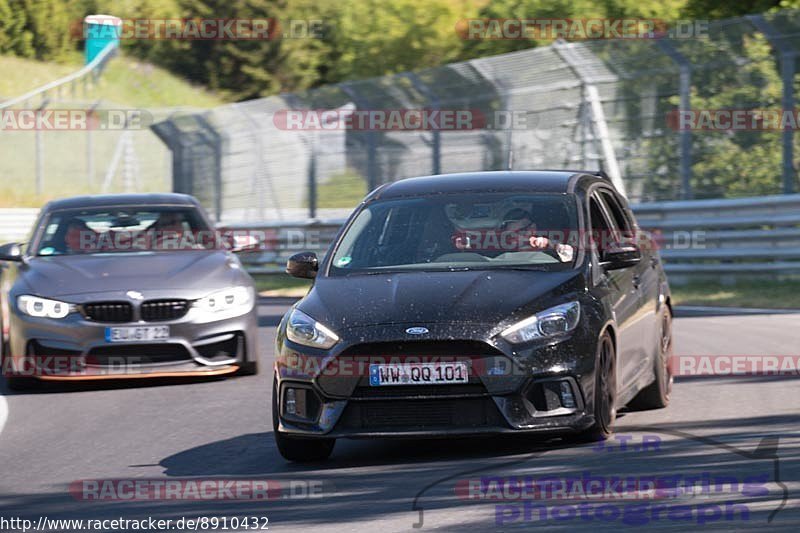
{"x": 137, "y": 334}
{"x": 418, "y": 374}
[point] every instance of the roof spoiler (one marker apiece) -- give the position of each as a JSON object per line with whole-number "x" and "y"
{"x": 598, "y": 173}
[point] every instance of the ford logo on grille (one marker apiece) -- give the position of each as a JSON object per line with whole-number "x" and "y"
{"x": 417, "y": 331}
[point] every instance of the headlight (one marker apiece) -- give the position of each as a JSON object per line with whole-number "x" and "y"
{"x": 230, "y": 302}
{"x": 304, "y": 330}
{"x": 554, "y": 321}
{"x": 42, "y": 307}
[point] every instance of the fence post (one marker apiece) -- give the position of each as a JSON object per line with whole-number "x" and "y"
{"x": 372, "y": 145}
{"x": 90, "y": 148}
{"x": 312, "y": 182}
{"x": 685, "y": 105}
{"x": 436, "y": 144}
{"x": 40, "y": 153}
{"x": 216, "y": 144}
{"x": 787, "y": 56}
{"x": 171, "y": 136}
{"x": 589, "y": 82}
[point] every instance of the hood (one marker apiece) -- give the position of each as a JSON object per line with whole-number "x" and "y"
{"x": 486, "y": 297}
{"x": 81, "y": 274}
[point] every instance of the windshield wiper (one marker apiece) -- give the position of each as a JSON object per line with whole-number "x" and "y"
{"x": 536, "y": 268}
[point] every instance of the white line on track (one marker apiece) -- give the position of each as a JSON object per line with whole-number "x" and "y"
{"x": 3, "y": 412}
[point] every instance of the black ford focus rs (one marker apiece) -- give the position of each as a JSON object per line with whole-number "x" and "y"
{"x": 490, "y": 302}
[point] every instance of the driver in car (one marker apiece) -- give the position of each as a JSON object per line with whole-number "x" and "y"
{"x": 79, "y": 238}
{"x": 520, "y": 220}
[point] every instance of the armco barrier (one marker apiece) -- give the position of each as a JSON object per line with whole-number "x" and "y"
{"x": 703, "y": 238}
{"x": 16, "y": 223}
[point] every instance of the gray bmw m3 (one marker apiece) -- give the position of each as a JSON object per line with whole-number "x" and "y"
{"x": 125, "y": 286}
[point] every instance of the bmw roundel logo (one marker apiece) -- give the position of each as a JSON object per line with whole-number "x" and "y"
{"x": 417, "y": 331}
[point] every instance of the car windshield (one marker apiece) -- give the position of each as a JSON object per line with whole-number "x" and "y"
{"x": 123, "y": 229}
{"x": 459, "y": 232}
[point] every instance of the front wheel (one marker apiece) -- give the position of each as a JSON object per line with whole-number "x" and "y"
{"x": 298, "y": 449}
{"x": 248, "y": 368}
{"x": 15, "y": 383}
{"x": 605, "y": 392}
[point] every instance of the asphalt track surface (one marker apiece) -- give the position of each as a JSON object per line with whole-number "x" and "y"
{"x": 745, "y": 430}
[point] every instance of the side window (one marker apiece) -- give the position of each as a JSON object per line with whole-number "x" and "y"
{"x": 599, "y": 221}
{"x": 605, "y": 232}
{"x": 616, "y": 211}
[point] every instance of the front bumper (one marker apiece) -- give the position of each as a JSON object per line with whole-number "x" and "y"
{"x": 510, "y": 390}
{"x": 76, "y": 348}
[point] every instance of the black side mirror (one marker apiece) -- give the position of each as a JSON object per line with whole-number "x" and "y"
{"x": 621, "y": 255}
{"x": 303, "y": 265}
{"x": 11, "y": 252}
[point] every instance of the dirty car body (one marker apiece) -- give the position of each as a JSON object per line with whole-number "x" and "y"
{"x": 405, "y": 334}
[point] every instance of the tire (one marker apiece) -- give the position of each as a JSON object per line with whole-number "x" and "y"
{"x": 15, "y": 383}
{"x": 21, "y": 384}
{"x": 656, "y": 395}
{"x": 605, "y": 393}
{"x": 298, "y": 449}
{"x": 248, "y": 368}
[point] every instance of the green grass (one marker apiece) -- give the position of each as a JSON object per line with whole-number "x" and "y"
{"x": 343, "y": 190}
{"x": 281, "y": 285}
{"x": 126, "y": 81}
{"x": 126, "y": 84}
{"x": 757, "y": 294}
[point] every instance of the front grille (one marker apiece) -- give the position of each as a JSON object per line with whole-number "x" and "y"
{"x": 453, "y": 348}
{"x": 412, "y": 415}
{"x": 109, "y": 311}
{"x": 139, "y": 354}
{"x": 159, "y": 310}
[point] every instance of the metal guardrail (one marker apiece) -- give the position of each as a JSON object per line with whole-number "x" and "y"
{"x": 745, "y": 236}
{"x": 15, "y": 223}
{"x": 94, "y": 67}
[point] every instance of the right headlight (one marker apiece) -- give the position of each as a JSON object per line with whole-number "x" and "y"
{"x": 303, "y": 329}
{"x": 549, "y": 323}
{"x": 42, "y": 307}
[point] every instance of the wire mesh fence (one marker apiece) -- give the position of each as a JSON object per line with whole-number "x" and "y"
{"x": 632, "y": 106}
{"x": 64, "y": 139}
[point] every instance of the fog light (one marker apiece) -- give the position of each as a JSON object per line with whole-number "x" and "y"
{"x": 567, "y": 398}
{"x": 294, "y": 402}
{"x": 290, "y": 402}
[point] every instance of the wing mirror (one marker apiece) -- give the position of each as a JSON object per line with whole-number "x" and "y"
{"x": 620, "y": 255}
{"x": 303, "y": 265}
{"x": 11, "y": 252}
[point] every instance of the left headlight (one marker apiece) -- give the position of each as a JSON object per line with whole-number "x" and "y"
{"x": 303, "y": 329}
{"x": 549, "y": 323}
{"x": 226, "y": 303}
{"x": 42, "y": 307}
